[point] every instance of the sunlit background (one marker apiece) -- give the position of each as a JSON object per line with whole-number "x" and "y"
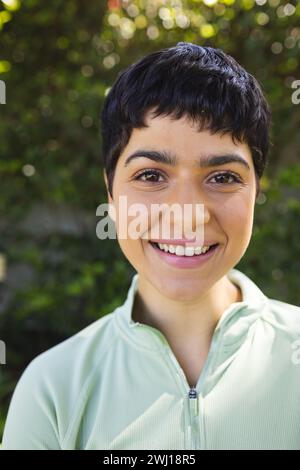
{"x": 57, "y": 61}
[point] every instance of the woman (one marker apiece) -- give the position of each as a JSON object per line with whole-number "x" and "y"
{"x": 197, "y": 357}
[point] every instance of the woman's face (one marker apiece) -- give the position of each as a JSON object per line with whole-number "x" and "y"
{"x": 227, "y": 192}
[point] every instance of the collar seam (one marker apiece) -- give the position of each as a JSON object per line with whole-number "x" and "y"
{"x": 133, "y": 341}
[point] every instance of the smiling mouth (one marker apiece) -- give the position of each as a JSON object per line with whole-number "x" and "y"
{"x": 184, "y": 252}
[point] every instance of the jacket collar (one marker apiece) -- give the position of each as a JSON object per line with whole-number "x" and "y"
{"x": 233, "y": 324}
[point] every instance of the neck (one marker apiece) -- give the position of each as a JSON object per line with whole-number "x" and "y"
{"x": 179, "y": 321}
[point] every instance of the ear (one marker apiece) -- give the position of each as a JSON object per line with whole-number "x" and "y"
{"x": 111, "y": 211}
{"x": 106, "y": 185}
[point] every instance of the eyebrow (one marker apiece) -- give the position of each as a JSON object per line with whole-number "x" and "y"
{"x": 204, "y": 162}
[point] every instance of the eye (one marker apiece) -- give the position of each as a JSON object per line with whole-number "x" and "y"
{"x": 151, "y": 176}
{"x": 224, "y": 177}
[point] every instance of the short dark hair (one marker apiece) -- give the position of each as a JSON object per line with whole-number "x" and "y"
{"x": 203, "y": 83}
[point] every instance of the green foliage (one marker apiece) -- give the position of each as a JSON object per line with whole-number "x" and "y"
{"x": 58, "y": 59}
{"x": 273, "y": 256}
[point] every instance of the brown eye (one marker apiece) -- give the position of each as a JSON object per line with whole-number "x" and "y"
{"x": 150, "y": 176}
{"x": 226, "y": 178}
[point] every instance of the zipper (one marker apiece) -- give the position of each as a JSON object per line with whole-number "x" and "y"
{"x": 193, "y": 392}
{"x": 192, "y": 395}
{"x": 193, "y": 402}
{"x": 194, "y": 412}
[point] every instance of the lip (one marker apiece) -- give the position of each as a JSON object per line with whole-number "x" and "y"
{"x": 184, "y": 261}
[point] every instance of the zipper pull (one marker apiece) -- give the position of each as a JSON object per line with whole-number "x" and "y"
{"x": 193, "y": 400}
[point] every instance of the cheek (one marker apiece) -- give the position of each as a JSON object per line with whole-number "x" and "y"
{"x": 133, "y": 218}
{"x": 132, "y": 223}
{"x": 237, "y": 220}
{"x": 130, "y": 248}
{"x": 133, "y": 251}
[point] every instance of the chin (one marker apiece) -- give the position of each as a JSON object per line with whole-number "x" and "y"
{"x": 179, "y": 289}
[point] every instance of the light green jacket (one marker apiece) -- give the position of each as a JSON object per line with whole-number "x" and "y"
{"x": 117, "y": 385}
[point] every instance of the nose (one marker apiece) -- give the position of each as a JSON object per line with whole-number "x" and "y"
{"x": 195, "y": 212}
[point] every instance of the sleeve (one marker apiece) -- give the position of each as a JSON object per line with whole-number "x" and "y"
{"x": 31, "y": 421}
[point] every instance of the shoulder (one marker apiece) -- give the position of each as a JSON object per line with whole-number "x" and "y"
{"x": 82, "y": 351}
{"x": 284, "y": 316}
{"x": 53, "y": 388}
{"x": 61, "y": 372}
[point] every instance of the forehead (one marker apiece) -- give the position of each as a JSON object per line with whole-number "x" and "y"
{"x": 183, "y": 138}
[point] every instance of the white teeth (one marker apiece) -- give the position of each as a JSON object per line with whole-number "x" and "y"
{"x": 180, "y": 250}
{"x": 189, "y": 251}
